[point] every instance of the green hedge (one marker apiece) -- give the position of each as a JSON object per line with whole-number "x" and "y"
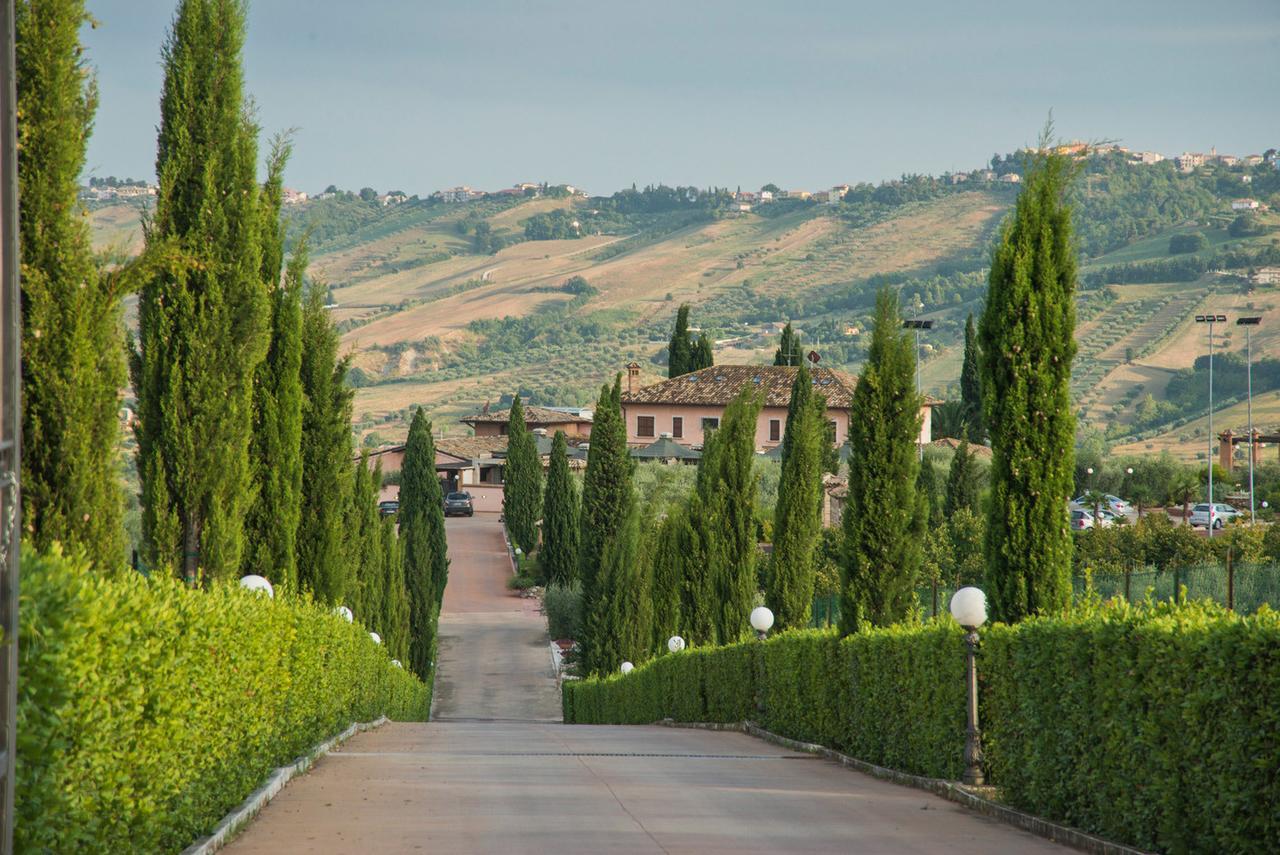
{"x": 146, "y": 710}
{"x": 1157, "y": 725}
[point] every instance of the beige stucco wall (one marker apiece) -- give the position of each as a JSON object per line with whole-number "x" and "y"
{"x": 693, "y": 416}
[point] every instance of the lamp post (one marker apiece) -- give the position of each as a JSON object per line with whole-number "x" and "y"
{"x": 761, "y": 621}
{"x": 1249, "y": 324}
{"x": 917, "y": 325}
{"x": 1211, "y": 320}
{"x": 969, "y": 608}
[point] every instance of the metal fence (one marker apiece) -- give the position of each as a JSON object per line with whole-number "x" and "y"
{"x": 1244, "y": 588}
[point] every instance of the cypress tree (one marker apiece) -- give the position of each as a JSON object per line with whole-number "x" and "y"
{"x": 930, "y": 494}
{"x": 962, "y": 482}
{"x": 667, "y": 575}
{"x": 606, "y": 494}
{"x": 971, "y": 385}
{"x": 702, "y": 355}
{"x": 621, "y": 624}
{"x": 561, "y": 508}
{"x": 788, "y": 352}
{"x": 522, "y": 482}
{"x": 726, "y": 489}
{"x": 203, "y": 326}
{"x": 364, "y": 548}
{"x": 422, "y": 533}
{"x": 680, "y": 350}
{"x": 699, "y": 612}
{"x": 72, "y": 365}
{"x": 395, "y": 608}
{"x": 1026, "y": 352}
{"x": 325, "y": 453}
{"x": 883, "y": 520}
{"x": 797, "y": 514}
{"x": 271, "y": 525}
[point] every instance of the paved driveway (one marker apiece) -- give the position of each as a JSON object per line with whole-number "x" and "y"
{"x": 495, "y": 772}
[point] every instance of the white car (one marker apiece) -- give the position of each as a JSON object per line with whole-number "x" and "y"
{"x": 1082, "y": 519}
{"x": 1115, "y": 504}
{"x": 1220, "y": 515}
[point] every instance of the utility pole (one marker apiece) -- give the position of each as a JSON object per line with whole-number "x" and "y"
{"x": 1248, "y": 324}
{"x": 1211, "y": 320}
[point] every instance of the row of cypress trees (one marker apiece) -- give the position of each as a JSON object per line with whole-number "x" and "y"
{"x": 243, "y": 414}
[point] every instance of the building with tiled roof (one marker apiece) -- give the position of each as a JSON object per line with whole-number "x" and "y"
{"x": 494, "y": 423}
{"x": 687, "y": 407}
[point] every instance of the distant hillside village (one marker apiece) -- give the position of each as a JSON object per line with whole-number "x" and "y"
{"x": 112, "y": 189}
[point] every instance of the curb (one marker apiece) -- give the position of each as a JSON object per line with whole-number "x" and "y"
{"x": 233, "y": 822}
{"x": 969, "y": 797}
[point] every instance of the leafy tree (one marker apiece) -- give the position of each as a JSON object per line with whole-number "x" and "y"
{"x": 422, "y": 533}
{"x": 1026, "y": 352}
{"x": 1246, "y": 225}
{"x": 271, "y": 524}
{"x": 724, "y": 523}
{"x": 368, "y": 194}
{"x": 963, "y": 487}
{"x": 72, "y": 368}
{"x": 702, "y": 354}
{"x": 680, "y": 350}
{"x": 884, "y": 518}
{"x": 797, "y": 512}
{"x": 1183, "y": 489}
{"x": 560, "y": 511}
{"x": 971, "y": 386}
{"x": 326, "y": 454}
{"x": 522, "y": 482}
{"x": 204, "y": 325}
{"x": 606, "y": 498}
{"x": 788, "y": 352}
{"x": 1184, "y": 243}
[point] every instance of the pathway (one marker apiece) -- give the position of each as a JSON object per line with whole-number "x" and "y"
{"x": 496, "y": 772}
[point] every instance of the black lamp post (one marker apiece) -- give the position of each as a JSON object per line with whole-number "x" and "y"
{"x": 969, "y": 608}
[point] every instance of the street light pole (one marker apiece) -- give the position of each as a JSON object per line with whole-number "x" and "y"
{"x": 1249, "y": 324}
{"x": 1211, "y": 320}
{"x": 917, "y": 325}
{"x": 969, "y": 608}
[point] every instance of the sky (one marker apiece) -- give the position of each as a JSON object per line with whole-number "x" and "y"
{"x": 418, "y": 95}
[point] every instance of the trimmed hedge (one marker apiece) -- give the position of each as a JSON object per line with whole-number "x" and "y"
{"x": 1157, "y": 725}
{"x": 147, "y": 710}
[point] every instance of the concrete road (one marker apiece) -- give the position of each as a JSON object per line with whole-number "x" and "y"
{"x": 495, "y": 772}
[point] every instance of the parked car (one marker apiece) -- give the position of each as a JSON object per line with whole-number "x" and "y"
{"x": 1115, "y": 504}
{"x": 459, "y": 504}
{"x": 1219, "y": 516}
{"x": 389, "y": 508}
{"x": 1082, "y": 518}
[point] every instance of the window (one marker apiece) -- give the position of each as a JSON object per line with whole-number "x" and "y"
{"x": 833, "y": 431}
{"x": 644, "y": 425}
{"x": 710, "y": 423}
{"x": 775, "y": 430}
{"x": 677, "y": 426}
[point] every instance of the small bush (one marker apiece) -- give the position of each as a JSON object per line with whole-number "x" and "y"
{"x": 563, "y": 605}
{"x": 147, "y": 710}
{"x": 521, "y": 582}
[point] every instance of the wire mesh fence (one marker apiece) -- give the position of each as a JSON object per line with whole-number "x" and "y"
{"x": 1244, "y": 587}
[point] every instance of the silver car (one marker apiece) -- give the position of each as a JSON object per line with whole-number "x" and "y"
{"x": 1220, "y": 515}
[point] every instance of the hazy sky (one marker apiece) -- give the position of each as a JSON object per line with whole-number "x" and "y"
{"x": 424, "y": 94}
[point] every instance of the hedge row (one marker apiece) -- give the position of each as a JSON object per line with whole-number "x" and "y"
{"x": 1157, "y": 725}
{"x": 147, "y": 710}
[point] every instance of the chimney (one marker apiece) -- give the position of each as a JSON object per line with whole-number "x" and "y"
{"x": 633, "y": 376}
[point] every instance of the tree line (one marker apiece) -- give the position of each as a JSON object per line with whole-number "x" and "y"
{"x": 242, "y": 423}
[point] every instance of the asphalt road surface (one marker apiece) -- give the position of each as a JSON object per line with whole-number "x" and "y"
{"x": 495, "y": 771}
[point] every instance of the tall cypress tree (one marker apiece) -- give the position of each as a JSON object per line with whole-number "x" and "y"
{"x": 560, "y": 511}
{"x": 702, "y": 354}
{"x": 364, "y": 548}
{"x": 271, "y": 525}
{"x": 797, "y": 514}
{"x": 325, "y": 454}
{"x": 962, "y": 482}
{"x": 426, "y": 559}
{"x": 203, "y": 327}
{"x": 395, "y": 608}
{"x": 668, "y": 575}
{"x": 725, "y": 519}
{"x": 522, "y": 482}
{"x": 930, "y": 494}
{"x": 788, "y": 352}
{"x": 72, "y": 365}
{"x": 971, "y": 386}
{"x": 680, "y": 350}
{"x": 1026, "y": 352}
{"x": 606, "y": 494}
{"x": 620, "y": 625}
{"x": 883, "y": 519}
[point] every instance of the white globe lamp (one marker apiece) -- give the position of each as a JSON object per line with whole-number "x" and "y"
{"x": 377, "y": 639}
{"x": 675, "y": 644}
{"x": 627, "y": 668}
{"x": 257, "y": 583}
{"x": 396, "y": 662}
{"x": 345, "y": 613}
{"x": 969, "y": 607}
{"x": 761, "y": 621}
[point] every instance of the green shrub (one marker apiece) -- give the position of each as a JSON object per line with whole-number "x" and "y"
{"x": 147, "y": 710}
{"x": 563, "y": 605}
